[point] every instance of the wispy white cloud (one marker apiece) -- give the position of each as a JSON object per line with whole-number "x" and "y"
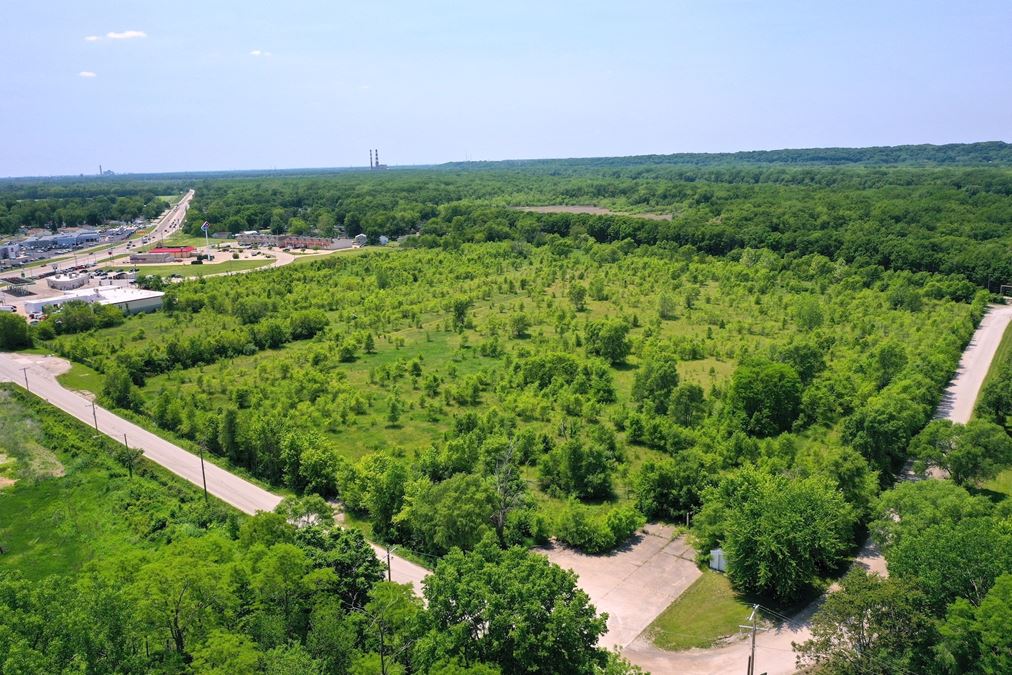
{"x": 87, "y": 73}
{"x": 259, "y": 52}
{"x": 92, "y": 38}
{"x": 126, "y": 35}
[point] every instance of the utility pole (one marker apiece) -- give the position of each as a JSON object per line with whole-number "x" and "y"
{"x": 383, "y": 660}
{"x": 202, "y": 474}
{"x": 129, "y": 459}
{"x": 25, "y": 371}
{"x": 94, "y": 415}
{"x": 752, "y": 627}
{"x": 389, "y": 571}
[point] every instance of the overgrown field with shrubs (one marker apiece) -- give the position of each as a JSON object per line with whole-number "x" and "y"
{"x": 571, "y": 388}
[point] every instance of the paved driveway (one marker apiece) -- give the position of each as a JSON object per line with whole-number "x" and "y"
{"x": 634, "y": 584}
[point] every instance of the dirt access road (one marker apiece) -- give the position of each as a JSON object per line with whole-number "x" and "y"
{"x": 774, "y": 653}
{"x": 41, "y": 374}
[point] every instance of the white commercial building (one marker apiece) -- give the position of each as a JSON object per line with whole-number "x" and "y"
{"x": 69, "y": 281}
{"x": 129, "y": 300}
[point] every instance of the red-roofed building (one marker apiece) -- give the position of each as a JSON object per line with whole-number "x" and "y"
{"x": 177, "y": 252}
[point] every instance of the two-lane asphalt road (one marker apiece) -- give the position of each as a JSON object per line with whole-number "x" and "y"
{"x": 41, "y": 379}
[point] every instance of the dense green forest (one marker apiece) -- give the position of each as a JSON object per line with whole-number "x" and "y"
{"x": 953, "y": 220}
{"x": 963, "y": 154}
{"x": 56, "y": 204}
{"x": 109, "y": 565}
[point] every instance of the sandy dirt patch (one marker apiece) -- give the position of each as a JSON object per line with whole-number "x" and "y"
{"x": 592, "y": 210}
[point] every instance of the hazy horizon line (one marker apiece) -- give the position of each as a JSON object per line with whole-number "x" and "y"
{"x": 366, "y": 167}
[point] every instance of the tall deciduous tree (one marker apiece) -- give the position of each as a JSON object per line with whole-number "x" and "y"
{"x": 870, "y": 625}
{"x": 609, "y": 339}
{"x": 765, "y": 396}
{"x": 654, "y": 382}
{"x": 454, "y": 512}
{"x": 13, "y": 332}
{"x": 512, "y": 608}
{"x": 578, "y": 296}
{"x": 978, "y": 639}
{"x": 971, "y": 453}
{"x": 778, "y": 532}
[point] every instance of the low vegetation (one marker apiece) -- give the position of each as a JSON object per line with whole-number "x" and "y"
{"x": 706, "y": 612}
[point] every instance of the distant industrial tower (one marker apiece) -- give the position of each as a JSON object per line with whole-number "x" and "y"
{"x": 374, "y": 160}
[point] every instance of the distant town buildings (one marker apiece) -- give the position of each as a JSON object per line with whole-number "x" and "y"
{"x": 61, "y": 240}
{"x": 254, "y": 238}
{"x": 10, "y": 250}
{"x": 177, "y": 252}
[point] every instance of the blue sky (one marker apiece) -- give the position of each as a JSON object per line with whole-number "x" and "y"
{"x": 262, "y": 84}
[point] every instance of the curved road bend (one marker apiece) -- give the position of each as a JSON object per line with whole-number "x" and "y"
{"x": 774, "y": 653}
{"x": 226, "y": 486}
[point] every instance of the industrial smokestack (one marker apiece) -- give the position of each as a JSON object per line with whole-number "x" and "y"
{"x": 370, "y": 158}
{"x": 377, "y": 158}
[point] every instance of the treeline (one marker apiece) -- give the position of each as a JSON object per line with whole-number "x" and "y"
{"x": 893, "y": 232}
{"x": 946, "y": 219}
{"x": 197, "y": 588}
{"x": 69, "y": 212}
{"x": 943, "y": 608}
{"x": 984, "y": 153}
{"x": 995, "y": 401}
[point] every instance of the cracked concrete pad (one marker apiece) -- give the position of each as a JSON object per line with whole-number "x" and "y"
{"x": 634, "y": 584}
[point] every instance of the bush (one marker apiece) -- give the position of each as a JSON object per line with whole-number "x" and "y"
{"x": 580, "y": 528}
{"x": 13, "y": 332}
{"x": 578, "y": 469}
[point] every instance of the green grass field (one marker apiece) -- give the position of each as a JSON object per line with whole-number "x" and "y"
{"x": 178, "y": 239}
{"x": 706, "y": 612}
{"x": 1002, "y": 483}
{"x": 195, "y": 270}
{"x": 82, "y": 378}
{"x": 73, "y": 504}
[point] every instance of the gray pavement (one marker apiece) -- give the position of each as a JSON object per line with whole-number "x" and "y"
{"x": 634, "y": 584}
{"x": 961, "y": 395}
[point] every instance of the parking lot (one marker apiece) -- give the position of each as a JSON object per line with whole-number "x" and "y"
{"x": 633, "y": 584}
